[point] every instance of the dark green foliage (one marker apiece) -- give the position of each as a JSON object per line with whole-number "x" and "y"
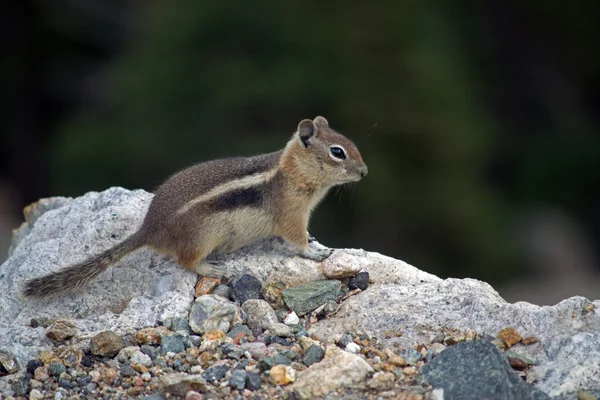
{"x": 466, "y": 114}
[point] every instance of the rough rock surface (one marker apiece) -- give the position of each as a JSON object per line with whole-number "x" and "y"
{"x": 337, "y": 369}
{"x": 136, "y": 292}
{"x": 211, "y": 312}
{"x": 477, "y": 370}
{"x": 145, "y": 288}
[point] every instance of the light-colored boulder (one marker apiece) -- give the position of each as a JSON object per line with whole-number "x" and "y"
{"x": 136, "y": 292}
{"x": 338, "y": 369}
{"x": 144, "y": 288}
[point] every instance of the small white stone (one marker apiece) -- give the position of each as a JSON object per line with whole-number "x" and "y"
{"x": 340, "y": 265}
{"x": 291, "y": 319}
{"x": 437, "y": 394}
{"x": 196, "y": 369}
{"x": 352, "y": 348}
{"x": 35, "y": 395}
{"x": 142, "y": 359}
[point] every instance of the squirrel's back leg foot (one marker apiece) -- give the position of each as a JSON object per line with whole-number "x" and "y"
{"x": 213, "y": 269}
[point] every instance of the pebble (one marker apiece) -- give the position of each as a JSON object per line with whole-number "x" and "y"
{"x": 272, "y": 294}
{"x": 338, "y": 369}
{"x": 150, "y": 351}
{"x": 194, "y": 341}
{"x": 106, "y": 344}
{"x": 529, "y": 340}
{"x": 232, "y": 351}
{"x": 240, "y": 331}
{"x": 245, "y": 287}
{"x": 252, "y": 381}
{"x": 381, "y": 381}
{"x": 32, "y": 365}
{"x": 55, "y": 368}
{"x": 223, "y": 291}
{"x": 64, "y": 383}
{"x": 44, "y": 322}
{"x": 410, "y": 371}
{"x": 278, "y": 340}
{"x": 509, "y": 337}
{"x": 35, "y": 395}
{"x": 178, "y": 384}
{"x": 451, "y": 340}
{"x": 352, "y": 348}
{"x": 359, "y": 281}
{"x": 211, "y": 312}
{"x": 306, "y": 297}
{"x": 261, "y": 317}
{"x": 125, "y": 353}
{"x": 35, "y": 383}
{"x": 291, "y": 319}
{"x": 95, "y": 375}
{"x": 216, "y": 373}
{"x": 84, "y": 380}
{"x": 61, "y": 330}
{"x": 313, "y": 355}
{"x": 21, "y": 387}
{"x": 290, "y": 354}
{"x": 205, "y": 285}
{"x": 411, "y": 356}
{"x": 8, "y": 362}
{"x": 141, "y": 359}
{"x": 41, "y": 374}
{"x": 335, "y": 267}
{"x": 238, "y": 379}
{"x": 257, "y": 350}
{"x": 108, "y": 375}
{"x": 282, "y": 375}
{"x": 344, "y": 340}
{"x": 71, "y": 357}
{"x": 517, "y": 361}
{"x": 156, "y": 396}
{"x": 171, "y": 344}
{"x": 180, "y": 324}
{"x": 434, "y": 350}
{"x": 126, "y": 370}
{"x": 151, "y": 335}
{"x": 193, "y": 395}
{"x": 46, "y": 357}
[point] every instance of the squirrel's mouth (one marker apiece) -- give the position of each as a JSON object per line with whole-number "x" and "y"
{"x": 351, "y": 178}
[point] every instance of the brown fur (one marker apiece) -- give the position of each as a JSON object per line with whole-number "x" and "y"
{"x": 219, "y": 206}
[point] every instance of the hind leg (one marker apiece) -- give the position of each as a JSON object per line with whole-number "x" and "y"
{"x": 194, "y": 260}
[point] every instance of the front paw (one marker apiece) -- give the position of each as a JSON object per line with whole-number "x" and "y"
{"x": 316, "y": 254}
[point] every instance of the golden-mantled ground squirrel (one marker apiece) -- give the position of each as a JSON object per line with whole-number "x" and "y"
{"x": 219, "y": 206}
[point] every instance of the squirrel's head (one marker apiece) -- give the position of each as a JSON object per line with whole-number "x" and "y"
{"x": 324, "y": 153}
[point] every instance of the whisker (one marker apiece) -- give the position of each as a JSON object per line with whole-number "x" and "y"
{"x": 373, "y": 129}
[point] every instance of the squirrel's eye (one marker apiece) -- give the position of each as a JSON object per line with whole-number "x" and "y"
{"x": 338, "y": 152}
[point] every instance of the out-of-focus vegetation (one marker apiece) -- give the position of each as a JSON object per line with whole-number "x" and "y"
{"x": 470, "y": 115}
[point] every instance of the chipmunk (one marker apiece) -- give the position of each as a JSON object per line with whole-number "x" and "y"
{"x": 218, "y": 206}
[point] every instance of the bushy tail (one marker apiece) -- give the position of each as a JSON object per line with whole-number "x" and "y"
{"x": 77, "y": 276}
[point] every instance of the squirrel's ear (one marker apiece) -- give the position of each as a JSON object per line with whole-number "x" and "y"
{"x": 307, "y": 131}
{"x": 321, "y": 122}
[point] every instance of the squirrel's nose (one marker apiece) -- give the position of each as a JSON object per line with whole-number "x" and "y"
{"x": 364, "y": 171}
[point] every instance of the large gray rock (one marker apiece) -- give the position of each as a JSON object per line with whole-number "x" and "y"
{"x": 477, "y": 370}
{"x": 137, "y": 292}
{"x": 145, "y": 288}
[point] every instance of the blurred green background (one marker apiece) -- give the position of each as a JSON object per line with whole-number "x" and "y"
{"x": 479, "y": 121}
